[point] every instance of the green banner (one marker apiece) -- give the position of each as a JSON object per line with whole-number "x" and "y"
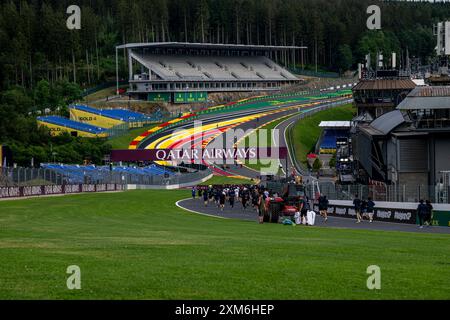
{"x": 159, "y": 97}
{"x": 441, "y": 218}
{"x": 190, "y": 97}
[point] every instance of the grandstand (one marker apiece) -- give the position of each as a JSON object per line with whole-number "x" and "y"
{"x": 160, "y": 71}
{"x": 76, "y": 174}
{"x": 106, "y": 118}
{"x": 58, "y": 125}
{"x": 334, "y": 132}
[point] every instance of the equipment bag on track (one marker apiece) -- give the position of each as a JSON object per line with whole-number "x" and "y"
{"x": 311, "y": 218}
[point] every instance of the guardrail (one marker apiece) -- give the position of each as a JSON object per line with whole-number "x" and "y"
{"x": 399, "y": 212}
{"x": 289, "y": 131}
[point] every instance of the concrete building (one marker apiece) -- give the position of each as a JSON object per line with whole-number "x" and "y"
{"x": 375, "y": 97}
{"x": 409, "y": 146}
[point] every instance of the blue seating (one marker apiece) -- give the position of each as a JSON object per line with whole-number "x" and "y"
{"x": 118, "y": 114}
{"x": 330, "y": 137}
{"x": 76, "y": 174}
{"x": 64, "y": 122}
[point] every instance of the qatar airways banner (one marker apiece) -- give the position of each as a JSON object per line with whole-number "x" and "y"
{"x": 215, "y": 155}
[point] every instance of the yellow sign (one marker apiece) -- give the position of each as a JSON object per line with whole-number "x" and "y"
{"x": 56, "y": 130}
{"x": 93, "y": 119}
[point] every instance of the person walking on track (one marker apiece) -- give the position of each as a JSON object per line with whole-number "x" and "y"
{"x": 357, "y": 203}
{"x": 323, "y": 207}
{"x": 421, "y": 212}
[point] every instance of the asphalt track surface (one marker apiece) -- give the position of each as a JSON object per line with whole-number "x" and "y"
{"x": 197, "y": 206}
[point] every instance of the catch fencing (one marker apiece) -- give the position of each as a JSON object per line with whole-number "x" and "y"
{"x": 30, "y": 177}
{"x": 388, "y": 193}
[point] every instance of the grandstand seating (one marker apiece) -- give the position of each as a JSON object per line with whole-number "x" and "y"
{"x": 226, "y": 68}
{"x": 76, "y": 174}
{"x": 330, "y": 136}
{"x": 118, "y": 114}
{"x": 64, "y": 122}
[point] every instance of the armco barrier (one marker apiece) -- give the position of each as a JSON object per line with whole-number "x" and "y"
{"x": 400, "y": 212}
{"x": 36, "y": 191}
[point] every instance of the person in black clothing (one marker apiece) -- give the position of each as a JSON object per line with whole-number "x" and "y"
{"x": 217, "y": 197}
{"x": 323, "y": 207}
{"x": 222, "y": 197}
{"x": 363, "y": 209}
{"x": 231, "y": 197}
{"x": 205, "y": 198}
{"x": 429, "y": 215}
{"x": 210, "y": 194}
{"x": 303, "y": 207}
{"x": 255, "y": 200}
{"x": 421, "y": 213}
{"x": 245, "y": 196}
{"x": 370, "y": 208}
{"x": 357, "y": 205}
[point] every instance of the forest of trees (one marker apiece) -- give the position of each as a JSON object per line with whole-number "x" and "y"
{"x": 35, "y": 43}
{"x": 45, "y": 64}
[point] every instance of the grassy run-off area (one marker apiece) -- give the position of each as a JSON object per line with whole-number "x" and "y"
{"x": 222, "y": 180}
{"x": 123, "y": 142}
{"x": 139, "y": 245}
{"x": 306, "y": 132}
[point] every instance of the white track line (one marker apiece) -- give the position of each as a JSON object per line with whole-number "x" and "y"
{"x": 192, "y": 211}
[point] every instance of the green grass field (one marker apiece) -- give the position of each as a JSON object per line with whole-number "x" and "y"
{"x": 139, "y": 245}
{"x": 123, "y": 142}
{"x": 222, "y": 180}
{"x": 306, "y": 132}
{"x": 101, "y": 94}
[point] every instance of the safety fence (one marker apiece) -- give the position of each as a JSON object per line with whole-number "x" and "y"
{"x": 124, "y": 128}
{"x": 388, "y": 193}
{"x": 310, "y": 73}
{"x": 438, "y": 194}
{"x": 31, "y": 177}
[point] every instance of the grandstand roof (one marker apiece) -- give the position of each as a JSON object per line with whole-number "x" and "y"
{"x": 385, "y": 84}
{"x": 335, "y": 124}
{"x": 64, "y": 122}
{"x": 215, "y": 46}
{"x": 118, "y": 114}
{"x": 427, "y": 98}
{"x": 207, "y": 68}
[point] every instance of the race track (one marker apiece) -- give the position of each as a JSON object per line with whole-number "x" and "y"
{"x": 196, "y": 206}
{"x": 246, "y": 117}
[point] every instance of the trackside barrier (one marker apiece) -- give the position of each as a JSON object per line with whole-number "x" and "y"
{"x": 36, "y": 191}
{"x": 387, "y": 193}
{"x": 400, "y": 212}
{"x": 290, "y": 136}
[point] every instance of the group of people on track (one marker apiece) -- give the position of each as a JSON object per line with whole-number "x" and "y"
{"x": 363, "y": 208}
{"x": 255, "y": 197}
{"x": 425, "y": 213}
{"x": 258, "y": 198}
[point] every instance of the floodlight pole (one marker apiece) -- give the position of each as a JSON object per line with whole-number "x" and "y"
{"x": 117, "y": 71}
